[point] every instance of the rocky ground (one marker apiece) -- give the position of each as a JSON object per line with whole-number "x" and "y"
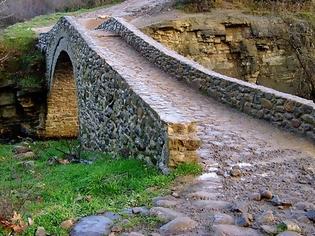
{"x": 257, "y": 180}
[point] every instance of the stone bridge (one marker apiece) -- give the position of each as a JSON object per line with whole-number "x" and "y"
{"x": 122, "y": 92}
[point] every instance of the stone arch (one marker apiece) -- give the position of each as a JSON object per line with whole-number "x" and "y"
{"x": 62, "y": 119}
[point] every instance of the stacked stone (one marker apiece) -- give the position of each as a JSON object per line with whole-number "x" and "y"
{"x": 284, "y": 110}
{"x": 112, "y": 116}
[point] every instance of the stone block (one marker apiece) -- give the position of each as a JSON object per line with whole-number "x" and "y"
{"x": 7, "y": 98}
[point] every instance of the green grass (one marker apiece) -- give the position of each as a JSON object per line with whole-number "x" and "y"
{"x": 21, "y": 36}
{"x": 54, "y": 193}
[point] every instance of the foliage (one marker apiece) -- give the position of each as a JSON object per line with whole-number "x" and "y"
{"x": 52, "y": 193}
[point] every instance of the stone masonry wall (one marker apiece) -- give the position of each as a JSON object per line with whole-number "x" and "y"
{"x": 112, "y": 117}
{"x": 284, "y": 110}
{"x": 62, "y": 109}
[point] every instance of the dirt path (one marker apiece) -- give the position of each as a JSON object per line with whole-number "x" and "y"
{"x": 242, "y": 156}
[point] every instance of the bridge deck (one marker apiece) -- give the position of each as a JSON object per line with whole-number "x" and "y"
{"x": 222, "y": 129}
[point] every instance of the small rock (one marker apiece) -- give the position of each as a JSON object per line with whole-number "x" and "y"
{"x": 276, "y": 200}
{"x": 67, "y": 224}
{"x": 112, "y": 215}
{"x": 125, "y": 222}
{"x": 26, "y": 156}
{"x": 221, "y": 218}
{"x": 117, "y": 228}
{"x": 241, "y": 207}
{"x": 244, "y": 220}
{"x": 140, "y": 210}
{"x": 165, "y": 203}
{"x": 266, "y": 194}
{"x": 220, "y": 172}
{"x": 235, "y": 172}
{"x": 305, "y": 206}
{"x": 289, "y": 226}
{"x": 92, "y": 225}
{"x": 21, "y": 149}
{"x": 289, "y": 233}
{"x": 41, "y": 231}
{"x": 165, "y": 214}
{"x": 266, "y": 218}
{"x": 311, "y": 215}
{"x": 176, "y": 195}
{"x": 255, "y": 196}
{"x": 178, "y": 225}
{"x": 233, "y": 230}
{"x": 269, "y": 229}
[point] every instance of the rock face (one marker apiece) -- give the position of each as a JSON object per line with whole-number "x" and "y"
{"x": 21, "y": 109}
{"x": 239, "y": 46}
{"x": 92, "y": 226}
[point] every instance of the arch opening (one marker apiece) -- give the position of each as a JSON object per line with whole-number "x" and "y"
{"x": 62, "y": 103}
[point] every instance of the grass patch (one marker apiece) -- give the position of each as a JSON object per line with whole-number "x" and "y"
{"x": 21, "y": 36}
{"x": 54, "y": 193}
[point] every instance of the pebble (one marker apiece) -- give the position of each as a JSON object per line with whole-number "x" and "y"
{"x": 311, "y": 215}
{"x": 221, "y": 218}
{"x": 235, "y": 172}
{"x": 276, "y": 200}
{"x": 241, "y": 207}
{"x": 266, "y": 194}
{"x": 266, "y": 217}
{"x": 117, "y": 228}
{"x": 305, "y": 206}
{"x": 67, "y": 224}
{"x": 165, "y": 214}
{"x": 92, "y": 225}
{"x": 229, "y": 230}
{"x": 175, "y": 194}
{"x": 41, "y": 231}
{"x": 244, "y": 220}
{"x": 178, "y": 225}
{"x": 140, "y": 210}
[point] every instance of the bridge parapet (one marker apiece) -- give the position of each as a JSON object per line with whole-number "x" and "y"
{"x": 284, "y": 110}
